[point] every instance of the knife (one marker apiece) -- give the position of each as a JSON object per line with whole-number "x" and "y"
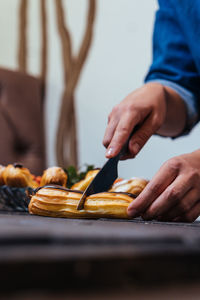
{"x": 106, "y": 176}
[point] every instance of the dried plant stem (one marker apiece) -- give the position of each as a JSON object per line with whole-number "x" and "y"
{"x": 65, "y": 39}
{"x": 66, "y": 145}
{"x": 44, "y": 49}
{"x": 22, "y": 46}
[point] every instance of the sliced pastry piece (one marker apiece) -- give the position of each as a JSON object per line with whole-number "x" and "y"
{"x": 83, "y": 184}
{"x": 17, "y": 176}
{"x": 56, "y": 201}
{"x": 54, "y": 175}
{"x": 133, "y": 185}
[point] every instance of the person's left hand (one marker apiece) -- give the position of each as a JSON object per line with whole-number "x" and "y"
{"x": 174, "y": 192}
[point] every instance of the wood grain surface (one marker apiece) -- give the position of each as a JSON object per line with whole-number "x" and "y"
{"x": 54, "y": 253}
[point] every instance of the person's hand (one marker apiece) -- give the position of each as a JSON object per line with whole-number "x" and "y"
{"x": 151, "y": 109}
{"x": 145, "y": 107}
{"x": 174, "y": 192}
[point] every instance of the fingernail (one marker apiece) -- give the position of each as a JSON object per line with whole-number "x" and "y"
{"x": 136, "y": 148}
{"x": 109, "y": 152}
{"x": 133, "y": 213}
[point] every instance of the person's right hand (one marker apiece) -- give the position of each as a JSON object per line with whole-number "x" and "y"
{"x": 145, "y": 108}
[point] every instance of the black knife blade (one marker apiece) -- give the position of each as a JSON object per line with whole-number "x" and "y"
{"x": 106, "y": 176}
{"x": 102, "y": 181}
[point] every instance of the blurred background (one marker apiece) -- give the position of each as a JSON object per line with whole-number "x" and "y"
{"x": 118, "y": 60}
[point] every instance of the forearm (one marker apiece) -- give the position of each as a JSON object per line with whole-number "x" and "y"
{"x": 175, "y": 118}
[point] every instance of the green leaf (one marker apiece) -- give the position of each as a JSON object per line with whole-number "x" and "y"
{"x": 75, "y": 176}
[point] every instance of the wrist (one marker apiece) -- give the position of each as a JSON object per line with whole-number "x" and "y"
{"x": 174, "y": 124}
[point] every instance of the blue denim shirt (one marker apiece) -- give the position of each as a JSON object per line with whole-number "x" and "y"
{"x": 176, "y": 52}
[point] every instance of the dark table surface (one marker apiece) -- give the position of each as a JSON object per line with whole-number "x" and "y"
{"x": 28, "y": 237}
{"x": 56, "y": 252}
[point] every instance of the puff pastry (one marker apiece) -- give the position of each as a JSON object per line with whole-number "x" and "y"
{"x": 83, "y": 184}
{"x": 2, "y": 168}
{"x": 54, "y": 175}
{"x": 61, "y": 202}
{"x": 17, "y": 176}
{"x": 133, "y": 185}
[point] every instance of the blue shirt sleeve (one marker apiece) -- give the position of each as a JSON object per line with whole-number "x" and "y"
{"x": 173, "y": 64}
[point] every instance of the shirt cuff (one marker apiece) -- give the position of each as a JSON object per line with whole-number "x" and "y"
{"x": 189, "y": 99}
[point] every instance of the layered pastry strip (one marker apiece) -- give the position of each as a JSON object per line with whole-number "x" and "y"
{"x": 60, "y": 202}
{"x": 133, "y": 185}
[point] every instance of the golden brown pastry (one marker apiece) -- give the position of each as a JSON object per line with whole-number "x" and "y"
{"x": 54, "y": 175}
{"x": 17, "y": 176}
{"x": 133, "y": 185}
{"x": 2, "y": 168}
{"x": 83, "y": 184}
{"x": 56, "y": 202}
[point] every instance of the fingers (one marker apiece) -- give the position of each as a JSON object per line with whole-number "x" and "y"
{"x": 113, "y": 120}
{"x": 109, "y": 132}
{"x": 164, "y": 177}
{"x": 141, "y": 136}
{"x": 183, "y": 206}
{"x": 174, "y": 192}
{"x": 118, "y": 135}
{"x": 116, "y": 138}
{"x": 191, "y": 215}
{"x": 145, "y": 107}
{"x": 173, "y": 195}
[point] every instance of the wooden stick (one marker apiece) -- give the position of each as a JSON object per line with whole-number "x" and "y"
{"x": 65, "y": 39}
{"x": 44, "y": 41}
{"x": 86, "y": 43}
{"x": 22, "y": 46}
{"x": 66, "y": 144}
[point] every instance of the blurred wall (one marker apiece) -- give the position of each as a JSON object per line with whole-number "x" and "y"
{"x": 117, "y": 63}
